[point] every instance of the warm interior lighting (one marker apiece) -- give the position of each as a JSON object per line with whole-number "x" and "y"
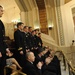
{"x": 36, "y": 27}
{"x": 50, "y": 27}
{"x": 15, "y": 21}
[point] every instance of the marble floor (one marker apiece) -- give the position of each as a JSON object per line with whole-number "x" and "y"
{"x": 64, "y": 72}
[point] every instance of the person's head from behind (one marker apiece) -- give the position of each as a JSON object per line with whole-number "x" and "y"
{"x": 20, "y": 25}
{"x": 40, "y": 51}
{"x": 1, "y": 11}
{"x": 30, "y": 56}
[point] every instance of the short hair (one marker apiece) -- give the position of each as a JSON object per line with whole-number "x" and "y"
{"x": 28, "y": 54}
{"x": 36, "y": 30}
{"x": 33, "y": 31}
{"x": 39, "y": 33}
{"x": 25, "y": 27}
{"x": 19, "y": 24}
{"x": 40, "y": 49}
{"x": 1, "y": 6}
{"x": 29, "y": 27}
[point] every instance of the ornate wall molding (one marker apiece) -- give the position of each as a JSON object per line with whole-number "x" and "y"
{"x": 60, "y": 24}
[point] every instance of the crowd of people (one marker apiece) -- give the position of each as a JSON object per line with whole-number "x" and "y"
{"x": 26, "y": 40}
{"x": 30, "y": 56}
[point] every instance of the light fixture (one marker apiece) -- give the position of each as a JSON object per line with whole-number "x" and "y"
{"x": 50, "y": 27}
{"x": 36, "y": 27}
{"x": 14, "y": 21}
{"x": 36, "y": 24}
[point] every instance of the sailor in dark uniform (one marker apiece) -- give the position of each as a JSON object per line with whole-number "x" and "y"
{"x": 40, "y": 43}
{"x": 3, "y": 46}
{"x": 34, "y": 43}
{"x": 19, "y": 43}
{"x": 27, "y": 38}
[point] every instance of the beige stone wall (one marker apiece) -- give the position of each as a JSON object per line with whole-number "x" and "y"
{"x": 68, "y": 24}
{"x": 51, "y": 18}
{"x": 30, "y": 18}
{"x": 11, "y": 12}
{"x": 66, "y": 1}
{"x": 9, "y": 30}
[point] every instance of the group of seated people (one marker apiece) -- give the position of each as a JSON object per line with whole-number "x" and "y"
{"x": 30, "y": 56}
{"x": 44, "y": 63}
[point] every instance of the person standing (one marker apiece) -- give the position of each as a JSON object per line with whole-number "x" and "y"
{"x": 19, "y": 43}
{"x": 3, "y": 46}
{"x": 40, "y": 43}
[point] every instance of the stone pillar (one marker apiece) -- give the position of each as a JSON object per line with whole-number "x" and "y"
{"x": 59, "y": 23}
{"x": 22, "y": 16}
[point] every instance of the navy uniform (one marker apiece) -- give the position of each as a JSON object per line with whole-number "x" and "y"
{"x": 34, "y": 39}
{"x": 19, "y": 43}
{"x": 34, "y": 45}
{"x": 30, "y": 41}
{"x": 2, "y": 48}
{"x": 40, "y": 43}
{"x": 18, "y": 36}
{"x": 27, "y": 39}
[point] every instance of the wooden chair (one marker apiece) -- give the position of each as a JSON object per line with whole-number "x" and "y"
{"x": 8, "y": 71}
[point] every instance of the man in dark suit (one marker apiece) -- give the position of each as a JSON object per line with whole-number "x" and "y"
{"x": 29, "y": 68}
{"x": 3, "y": 47}
{"x": 19, "y": 43}
{"x": 39, "y": 57}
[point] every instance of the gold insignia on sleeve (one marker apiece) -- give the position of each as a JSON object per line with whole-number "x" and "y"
{"x": 39, "y": 44}
{"x": 20, "y": 48}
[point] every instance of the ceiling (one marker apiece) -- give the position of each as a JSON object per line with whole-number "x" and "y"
{"x": 8, "y": 4}
{"x": 66, "y": 1}
{"x": 24, "y": 5}
{"x": 27, "y": 5}
{"x": 13, "y": 7}
{"x": 11, "y": 10}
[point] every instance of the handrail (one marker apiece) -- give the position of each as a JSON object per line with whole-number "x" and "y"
{"x": 70, "y": 64}
{"x": 51, "y": 42}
